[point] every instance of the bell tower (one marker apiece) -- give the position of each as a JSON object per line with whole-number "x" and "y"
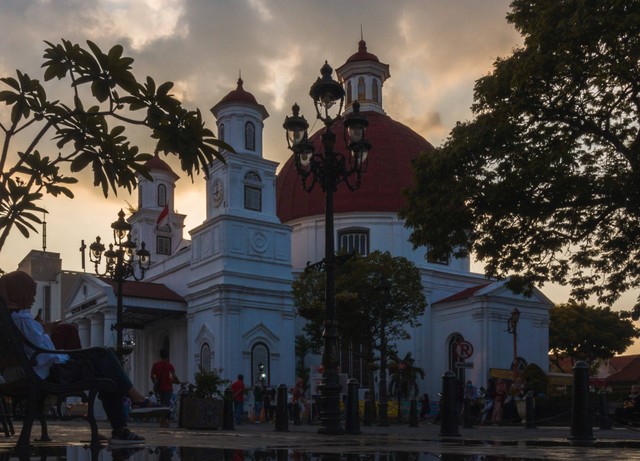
{"x": 363, "y": 76}
{"x": 245, "y": 185}
{"x": 155, "y": 221}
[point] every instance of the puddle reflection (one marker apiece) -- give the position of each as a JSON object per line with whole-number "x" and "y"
{"x": 80, "y": 453}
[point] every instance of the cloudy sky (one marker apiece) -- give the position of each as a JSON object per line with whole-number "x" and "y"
{"x": 436, "y": 50}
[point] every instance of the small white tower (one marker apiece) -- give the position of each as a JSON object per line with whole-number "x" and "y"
{"x": 245, "y": 185}
{"x": 155, "y": 222}
{"x": 363, "y": 76}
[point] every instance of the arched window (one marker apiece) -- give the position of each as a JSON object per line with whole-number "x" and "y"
{"x": 252, "y": 191}
{"x": 205, "y": 357}
{"x": 361, "y": 91}
{"x": 260, "y": 365}
{"x": 375, "y": 90}
{"x": 250, "y": 136}
{"x": 221, "y": 132}
{"x": 354, "y": 239}
{"x": 162, "y": 195}
{"x": 349, "y": 90}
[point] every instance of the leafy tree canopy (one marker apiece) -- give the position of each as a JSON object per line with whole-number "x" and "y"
{"x": 364, "y": 305}
{"x": 589, "y": 333}
{"x": 102, "y": 88}
{"x": 544, "y": 183}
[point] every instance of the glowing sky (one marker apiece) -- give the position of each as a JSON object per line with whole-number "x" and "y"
{"x": 436, "y": 49}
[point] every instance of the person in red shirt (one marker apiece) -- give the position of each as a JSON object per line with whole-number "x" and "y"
{"x": 163, "y": 376}
{"x": 237, "y": 394}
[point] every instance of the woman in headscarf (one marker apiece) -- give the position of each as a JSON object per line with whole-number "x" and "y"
{"x": 18, "y": 290}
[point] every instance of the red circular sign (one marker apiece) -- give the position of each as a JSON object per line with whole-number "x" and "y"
{"x": 464, "y": 349}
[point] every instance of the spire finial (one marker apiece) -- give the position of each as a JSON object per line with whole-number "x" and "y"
{"x": 240, "y": 82}
{"x": 44, "y": 230}
{"x": 362, "y": 45}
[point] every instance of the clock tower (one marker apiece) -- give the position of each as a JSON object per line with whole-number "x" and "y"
{"x": 240, "y": 301}
{"x": 245, "y": 185}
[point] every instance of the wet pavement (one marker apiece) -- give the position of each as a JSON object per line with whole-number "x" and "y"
{"x": 483, "y": 442}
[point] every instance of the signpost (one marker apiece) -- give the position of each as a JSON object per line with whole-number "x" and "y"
{"x": 464, "y": 350}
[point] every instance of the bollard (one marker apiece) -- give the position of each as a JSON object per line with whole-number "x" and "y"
{"x": 603, "y": 405}
{"x": 295, "y": 414}
{"x": 448, "y": 413}
{"x": 352, "y": 419}
{"x": 413, "y": 413}
{"x": 367, "y": 411}
{"x": 282, "y": 413}
{"x": 467, "y": 423}
{"x": 282, "y": 454}
{"x": 180, "y": 413}
{"x": 228, "y": 417}
{"x": 530, "y": 417}
{"x": 581, "y": 429}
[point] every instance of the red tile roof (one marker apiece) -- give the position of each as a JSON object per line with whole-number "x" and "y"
{"x": 629, "y": 374}
{"x": 464, "y": 294}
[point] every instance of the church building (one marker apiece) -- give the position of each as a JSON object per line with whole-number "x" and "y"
{"x": 219, "y": 296}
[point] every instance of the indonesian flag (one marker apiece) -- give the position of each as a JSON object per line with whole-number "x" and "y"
{"x": 163, "y": 217}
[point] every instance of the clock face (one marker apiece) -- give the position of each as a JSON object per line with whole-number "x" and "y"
{"x": 217, "y": 192}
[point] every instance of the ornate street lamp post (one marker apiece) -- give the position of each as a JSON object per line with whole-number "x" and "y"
{"x": 512, "y": 327}
{"x": 122, "y": 260}
{"x": 383, "y": 417}
{"x": 329, "y": 168}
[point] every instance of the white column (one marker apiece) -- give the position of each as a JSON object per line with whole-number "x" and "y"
{"x": 97, "y": 330}
{"x": 84, "y": 331}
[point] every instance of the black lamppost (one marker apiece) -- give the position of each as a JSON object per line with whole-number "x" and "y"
{"x": 383, "y": 417}
{"x": 512, "y": 327}
{"x": 120, "y": 263}
{"x": 329, "y": 168}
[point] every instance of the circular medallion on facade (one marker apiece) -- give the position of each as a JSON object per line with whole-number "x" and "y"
{"x": 259, "y": 242}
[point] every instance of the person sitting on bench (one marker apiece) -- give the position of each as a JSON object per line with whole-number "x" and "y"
{"x": 630, "y": 411}
{"x": 18, "y": 290}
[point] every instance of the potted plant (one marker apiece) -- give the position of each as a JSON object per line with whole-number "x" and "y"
{"x": 202, "y": 408}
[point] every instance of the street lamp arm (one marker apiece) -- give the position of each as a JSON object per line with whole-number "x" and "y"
{"x": 122, "y": 261}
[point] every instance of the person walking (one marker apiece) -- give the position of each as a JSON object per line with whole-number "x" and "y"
{"x": 163, "y": 376}
{"x": 258, "y": 401}
{"x": 18, "y": 291}
{"x": 237, "y": 394}
{"x": 425, "y": 406}
{"x": 298, "y": 401}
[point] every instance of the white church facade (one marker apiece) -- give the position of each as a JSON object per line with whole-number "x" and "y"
{"x": 221, "y": 296}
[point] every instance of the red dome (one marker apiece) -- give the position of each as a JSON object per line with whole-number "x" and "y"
{"x": 239, "y": 95}
{"x": 389, "y": 172}
{"x": 363, "y": 54}
{"x": 157, "y": 164}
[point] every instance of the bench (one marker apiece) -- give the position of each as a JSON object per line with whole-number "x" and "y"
{"x": 21, "y": 382}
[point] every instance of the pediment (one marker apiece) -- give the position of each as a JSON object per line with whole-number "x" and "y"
{"x": 260, "y": 331}
{"x": 88, "y": 289}
{"x": 496, "y": 291}
{"x": 204, "y": 335}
